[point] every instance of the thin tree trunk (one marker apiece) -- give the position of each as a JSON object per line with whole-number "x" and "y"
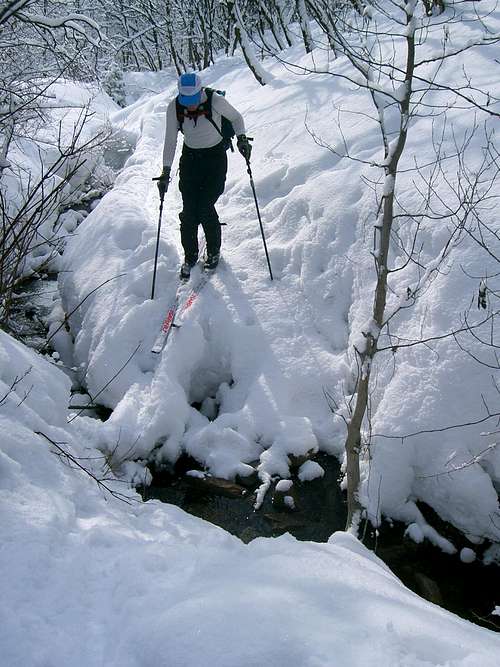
{"x": 8, "y": 133}
{"x": 241, "y": 36}
{"x": 304, "y": 25}
{"x": 383, "y": 235}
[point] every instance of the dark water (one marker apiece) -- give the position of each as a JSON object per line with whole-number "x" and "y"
{"x": 469, "y": 590}
{"x": 319, "y": 512}
{"x": 33, "y": 303}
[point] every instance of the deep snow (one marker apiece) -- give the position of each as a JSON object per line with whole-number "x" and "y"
{"x": 87, "y": 580}
{"x": 265, "y": 352}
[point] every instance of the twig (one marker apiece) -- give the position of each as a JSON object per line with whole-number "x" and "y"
{"x": 14, "y": 384}
{"x": 73, "y": 459}
{"x": 66, "y": 317}
{"x": 436, "y": 430}
{"x": 106, "y": 385}
{"x": 474, "y": 459}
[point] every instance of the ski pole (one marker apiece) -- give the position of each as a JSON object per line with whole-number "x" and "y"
{"x": 162, "y": 196}
{"x": 249, "y": 171}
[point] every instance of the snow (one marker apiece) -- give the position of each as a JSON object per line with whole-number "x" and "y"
{"x": 310, "y": 470}
{"x": 415, "y": 532}
{"x": 258, "y": 355}
{"x": 67, "y": 103}
{"x": 95, "y": 581}
{"x": 196, "y": 473}
{"x": 467, "y": 555}
{"x": 284, "y": 485}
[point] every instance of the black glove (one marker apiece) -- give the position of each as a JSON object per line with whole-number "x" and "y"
{"x": 163, "y": 181}
{"x": 243, "y": 144}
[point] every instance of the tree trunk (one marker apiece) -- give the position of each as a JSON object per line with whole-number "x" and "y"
{"x": 304, "y": 25}
{"x": 250, "y": 58}
{"x": 381, "y": 254}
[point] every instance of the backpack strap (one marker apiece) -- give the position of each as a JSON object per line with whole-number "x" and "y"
{"x": 210, "y": 93}
{"x": 207, "y": 110}
{"x": 179, "y": 112}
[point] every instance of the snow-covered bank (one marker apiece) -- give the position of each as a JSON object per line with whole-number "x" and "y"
{"x": 87, "y": 580}
{"x": 48, "y": 163}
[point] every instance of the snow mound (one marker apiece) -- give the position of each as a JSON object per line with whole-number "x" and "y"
{"x": 95, "y": 581}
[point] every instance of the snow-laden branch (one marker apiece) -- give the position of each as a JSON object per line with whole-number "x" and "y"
{"x": 76, "y": 22}
{"x": 256, "y": 68}
{"x": 138, "y": 35}
{"x": 10, "y": 9}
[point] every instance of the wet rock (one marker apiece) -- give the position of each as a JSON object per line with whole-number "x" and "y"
{"x": 248, "y": 534}
{"x": 204, "y": 483}
{"x": 164, "y": 474}
{"x": 285, "y": 522}
{"x": 428, "y": 588}
{"x": 209, "y": 408}
{"x": 396, "y": 554}
{"x": 295, "y": 461}
{"x": 249, "y": 481}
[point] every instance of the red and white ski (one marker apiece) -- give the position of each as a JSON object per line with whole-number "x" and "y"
{"x": 167, "y": 324}
{"x": 192, "y": 296}
{"x": 178, "y": 308}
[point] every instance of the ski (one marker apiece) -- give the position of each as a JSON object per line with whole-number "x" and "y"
{"x": 167, "y": 324}
{"x": 178, "y": 308}
{"x": 203, "y": 278}
{"x": 168, "y": 321}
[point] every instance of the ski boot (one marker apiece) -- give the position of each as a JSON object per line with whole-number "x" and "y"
{"x": 186, "y": 267}
{"x": 211, "y": 262}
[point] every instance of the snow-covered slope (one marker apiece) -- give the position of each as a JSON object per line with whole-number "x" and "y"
{"x": 251, "y": 344}
{"x": 88, "y": 580}
{"x": 267, "y": 351}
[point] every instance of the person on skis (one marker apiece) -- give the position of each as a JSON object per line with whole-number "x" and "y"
{"x": 198, "y": 113}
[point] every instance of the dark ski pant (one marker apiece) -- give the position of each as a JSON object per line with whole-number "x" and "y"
{"x": 201, "y": 182}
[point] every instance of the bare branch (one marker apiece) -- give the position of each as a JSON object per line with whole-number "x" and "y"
{"x": 74, "y": 461}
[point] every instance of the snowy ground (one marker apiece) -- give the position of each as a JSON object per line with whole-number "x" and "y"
{"x": 87, "y": 580}
{"x": 265, "y": 351}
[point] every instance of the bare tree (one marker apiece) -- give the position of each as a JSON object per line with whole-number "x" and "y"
{"x": 386, "y": 46}
{"x": 243, "y": 39}
{"x": 22, "y": 225}
{"x": 304, "y": 25}
{"x": 39, "y": 45}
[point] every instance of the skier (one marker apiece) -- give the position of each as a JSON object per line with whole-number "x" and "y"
{"x": 200, "y": 114}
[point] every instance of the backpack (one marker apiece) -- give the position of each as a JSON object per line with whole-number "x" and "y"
{"x": 226, "y": 131}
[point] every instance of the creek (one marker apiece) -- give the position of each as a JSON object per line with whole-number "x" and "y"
{"x": 469, "y": 590}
